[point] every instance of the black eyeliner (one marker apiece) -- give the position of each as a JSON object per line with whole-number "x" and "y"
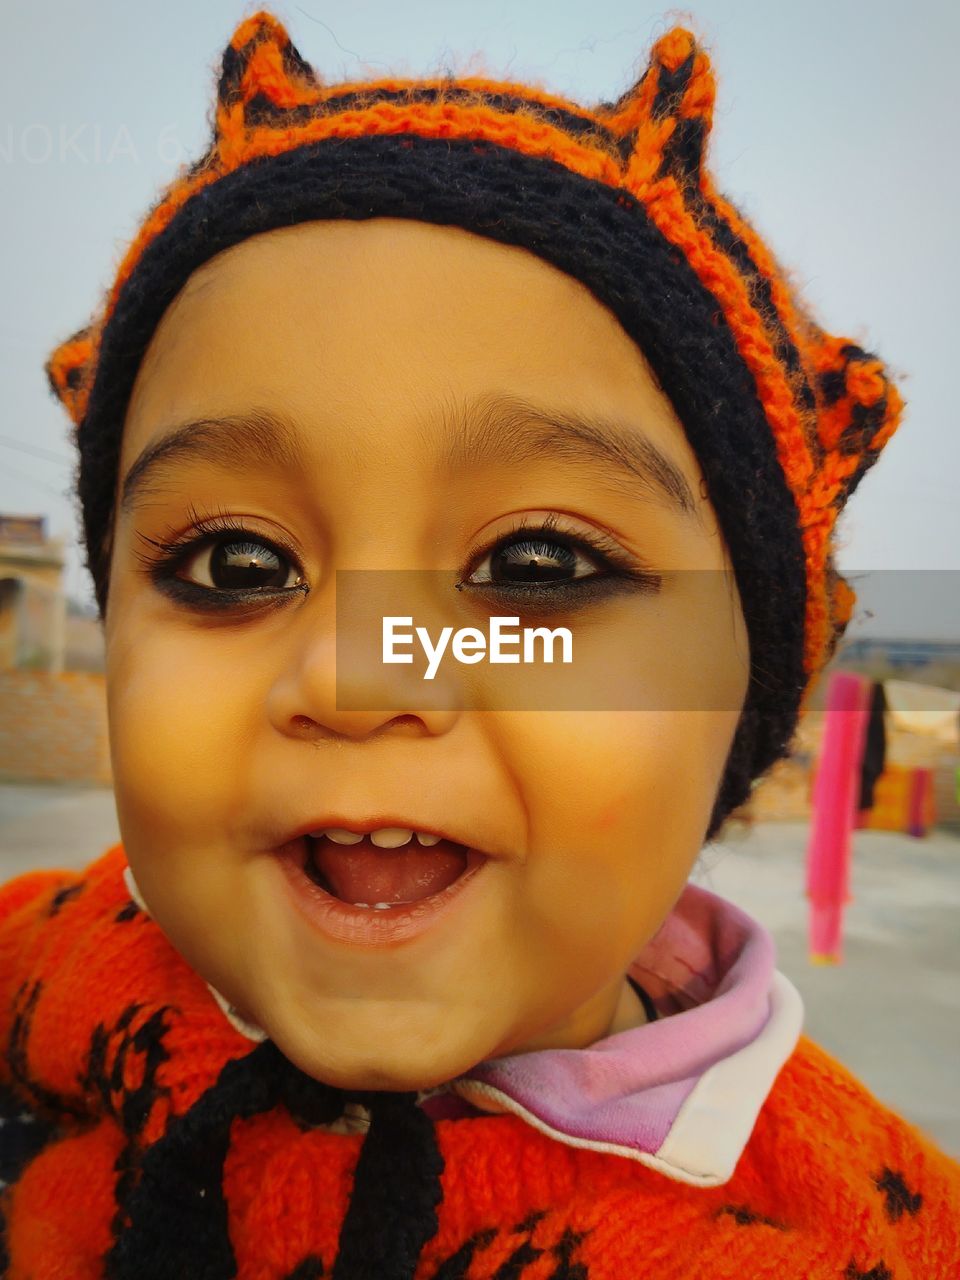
{"x": 567, "y": 597}
{"x": 209, "y": 600}
{"x": 618, "y": 575}
{"x": 206, "y": 532}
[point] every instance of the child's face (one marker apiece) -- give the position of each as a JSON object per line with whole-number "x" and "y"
{"x": 225, "y": 730}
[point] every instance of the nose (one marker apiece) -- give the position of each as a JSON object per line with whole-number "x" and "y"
{"x": 332, "y": 682}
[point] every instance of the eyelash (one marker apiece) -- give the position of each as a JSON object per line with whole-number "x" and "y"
{"x": 617, "y": 573}
{"x": 173, "y": 551}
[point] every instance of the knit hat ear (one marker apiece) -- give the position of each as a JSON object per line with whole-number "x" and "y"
{"x": 70, "y": 369}
{"x": 665, "y": 118}
{"x": 859, "y": 411}
{"x": 261, "y": 72}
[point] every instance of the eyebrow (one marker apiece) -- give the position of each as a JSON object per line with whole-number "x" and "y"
{"x": 241, "y": 441}
{"x": 507, "y": 429}
{"x": 489, "y": 430}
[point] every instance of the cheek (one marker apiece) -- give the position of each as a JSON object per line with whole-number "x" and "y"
{"x": 176, "y": 735}
{"x": 612, "y": 772}
{"x": 618, "y": 803}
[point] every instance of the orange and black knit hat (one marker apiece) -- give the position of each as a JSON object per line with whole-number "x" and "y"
{"x": 784, "y": 418}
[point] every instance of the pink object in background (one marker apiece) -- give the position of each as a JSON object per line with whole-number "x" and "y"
{"x": 835, "y": 798}
{"x": 921, "y": 784}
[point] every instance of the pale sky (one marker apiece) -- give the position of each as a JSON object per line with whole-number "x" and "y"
{"x": 835, "y": 132}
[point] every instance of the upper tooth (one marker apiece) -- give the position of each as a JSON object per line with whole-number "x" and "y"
{"x": 339, "y": 835}
{"x": 390, "y": 837}
{"x": 383, "y": 838}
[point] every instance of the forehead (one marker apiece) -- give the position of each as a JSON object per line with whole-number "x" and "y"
{"x": 375, "y": 324}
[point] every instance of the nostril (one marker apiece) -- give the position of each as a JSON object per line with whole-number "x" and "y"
{"x": 408, "y": 723}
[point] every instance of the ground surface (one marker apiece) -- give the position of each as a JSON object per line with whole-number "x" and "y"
{"x": 890, "y": 1011}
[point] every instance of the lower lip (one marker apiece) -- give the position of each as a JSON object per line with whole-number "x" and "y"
{"x": 364, "y": 926}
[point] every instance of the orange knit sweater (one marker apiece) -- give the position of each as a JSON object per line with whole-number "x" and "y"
{"x": 113, "y": 1051}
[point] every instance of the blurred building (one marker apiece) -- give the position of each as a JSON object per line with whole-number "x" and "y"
{"x": 32, "y": 603}
{"x": 53, "y": 723}
{"x": 40, "y": 629}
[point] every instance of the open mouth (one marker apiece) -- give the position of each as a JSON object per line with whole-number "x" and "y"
{"x": 378, "y": 872}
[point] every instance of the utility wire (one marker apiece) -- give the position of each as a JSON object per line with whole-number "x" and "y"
{"x": 62, "y": 494}
{"x": 37, "y": 452}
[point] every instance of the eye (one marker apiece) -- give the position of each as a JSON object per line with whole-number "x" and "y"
{"x": 545, "y": 568}
{"x": 221, "y": 565}
{"x": 242, "y": 563}
{"x": 533, "y": 558}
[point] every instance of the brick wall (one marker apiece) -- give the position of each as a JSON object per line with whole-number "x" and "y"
{"x": 53, "y": 728}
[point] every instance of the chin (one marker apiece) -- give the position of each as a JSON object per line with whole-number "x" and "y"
{"x": 375, "y": 1070}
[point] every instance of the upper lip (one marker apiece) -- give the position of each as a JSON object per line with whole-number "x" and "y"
{"x": 366, "y": 825}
